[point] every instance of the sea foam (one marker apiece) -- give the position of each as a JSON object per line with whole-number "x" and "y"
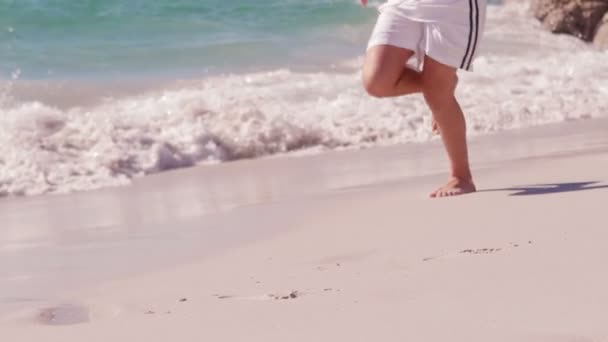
{"x": 525, "y": 77}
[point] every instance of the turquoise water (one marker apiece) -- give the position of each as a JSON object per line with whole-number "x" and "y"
{"x": 106, "y": 38}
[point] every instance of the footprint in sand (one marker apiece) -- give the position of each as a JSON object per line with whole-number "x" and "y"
{"x": 285, "y": 296}
{"x": 476, "y": 251}
{"x": 465, "y": 251}
{"x": 64, "y": 315}
{"x": 481, "y": 251}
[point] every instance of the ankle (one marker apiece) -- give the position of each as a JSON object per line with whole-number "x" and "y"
{"x": 463, "y": 177}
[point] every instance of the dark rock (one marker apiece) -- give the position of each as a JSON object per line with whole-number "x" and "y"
{"x": 579, "y": 18}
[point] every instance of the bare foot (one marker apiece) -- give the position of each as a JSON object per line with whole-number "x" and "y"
{"x": 455, "y": 187}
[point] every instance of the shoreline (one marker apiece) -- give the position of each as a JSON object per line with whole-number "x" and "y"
{"x": 92, "y": 136}
{"x": 516, "y": 261}
{"x": 285, "y": 204}
{"x": 199, "y": 214}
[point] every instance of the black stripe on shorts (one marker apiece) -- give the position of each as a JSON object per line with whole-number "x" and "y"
{"x": 476, "y": 35}
{"x": 473, "y": 35}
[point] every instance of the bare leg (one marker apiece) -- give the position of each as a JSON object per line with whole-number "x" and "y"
{"x": 385, "y": 73}
{"x": 439, "y": 84}
{"x": 435, "y": 127}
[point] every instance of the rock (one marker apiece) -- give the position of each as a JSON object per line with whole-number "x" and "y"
{"x": 601, "y": 36}
{"x": 579, "y": 18}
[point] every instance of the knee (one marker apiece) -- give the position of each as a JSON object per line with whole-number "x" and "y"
{"x": 375, "y": 86}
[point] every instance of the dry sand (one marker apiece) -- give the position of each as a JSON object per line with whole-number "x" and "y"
{"x": 338, "y": 247}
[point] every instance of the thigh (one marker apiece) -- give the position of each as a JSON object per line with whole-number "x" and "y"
{"x": 385, "y": 62}
{"x": 394, "y": 40}
{"x": 455, "y": 41}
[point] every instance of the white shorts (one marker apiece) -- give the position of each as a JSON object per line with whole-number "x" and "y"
{"x": 446, "y": 30}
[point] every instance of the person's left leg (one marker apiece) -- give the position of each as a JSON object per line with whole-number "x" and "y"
{"x": 438, "y": 86}
{"x": 385, "y": 73}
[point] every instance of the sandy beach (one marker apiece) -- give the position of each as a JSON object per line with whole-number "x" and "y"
{"x": 341, "y": 246}
{"x": 215, "y": 171}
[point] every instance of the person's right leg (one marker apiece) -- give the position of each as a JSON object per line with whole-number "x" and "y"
{"x": 439, "y": 84}
{"x": 385, "y": 73}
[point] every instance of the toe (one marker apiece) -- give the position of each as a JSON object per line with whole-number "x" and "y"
{"x": 436, "y": 193}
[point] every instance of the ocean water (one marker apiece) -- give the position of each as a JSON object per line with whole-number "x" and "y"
{"x": 111, "y": 38}
{"x": 96, "y": 93}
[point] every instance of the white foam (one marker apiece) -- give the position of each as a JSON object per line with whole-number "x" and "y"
{"x": 45, "y": 149}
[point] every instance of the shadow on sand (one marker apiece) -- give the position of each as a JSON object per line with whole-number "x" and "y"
{"x": 544, "y": 189}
